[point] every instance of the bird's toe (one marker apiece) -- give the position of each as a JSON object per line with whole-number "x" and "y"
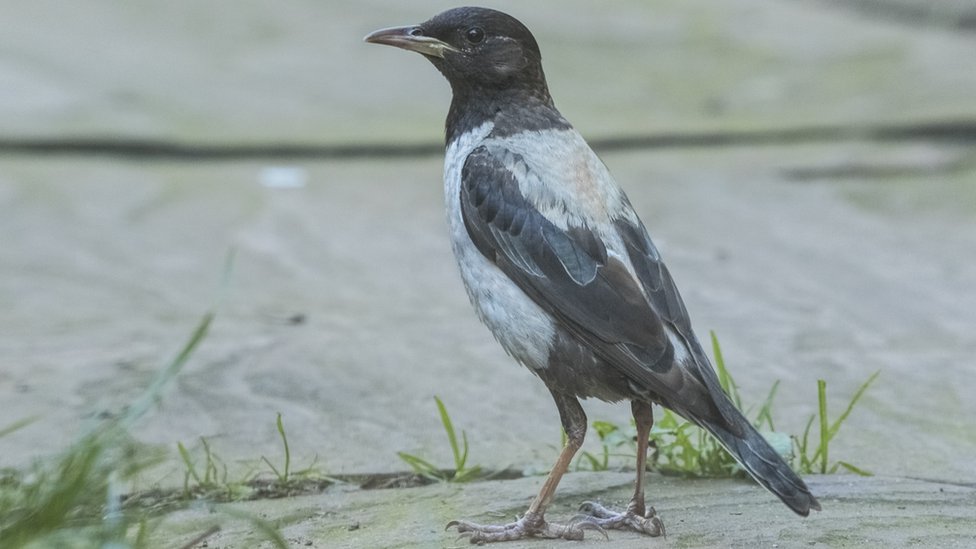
{"x": 535, "y": 527}
{"x": 649, "y": 524}
{"x": 594, "y": 509}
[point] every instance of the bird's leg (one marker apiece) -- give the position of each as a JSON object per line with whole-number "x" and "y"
{"x": 533, "y": 523}
{"x": 644, "y": 419}
{"x": 635, "y": 517}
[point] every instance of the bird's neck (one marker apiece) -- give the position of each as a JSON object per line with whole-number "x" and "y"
{"x": 511, "y": 110}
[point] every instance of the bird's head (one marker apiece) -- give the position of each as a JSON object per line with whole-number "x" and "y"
{"x": 476, "y": 49}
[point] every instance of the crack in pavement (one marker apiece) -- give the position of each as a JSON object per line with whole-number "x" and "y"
{"x": 957, "y": 131}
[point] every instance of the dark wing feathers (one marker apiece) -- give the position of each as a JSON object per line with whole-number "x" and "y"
{"x": 661, "y": 290}
{"x": 626, "y": 321}
{"x": 578, "y": 263}
{"x": 653, "y": 274}
{"x": 569, "y": 273}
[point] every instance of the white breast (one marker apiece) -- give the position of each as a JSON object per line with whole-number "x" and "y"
{"x": 522, "y": 328}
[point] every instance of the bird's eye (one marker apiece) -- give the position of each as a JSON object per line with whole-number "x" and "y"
{"x": 475, "y": 35}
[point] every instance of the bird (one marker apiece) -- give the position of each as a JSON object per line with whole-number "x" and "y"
{"x": 561, "y": 269}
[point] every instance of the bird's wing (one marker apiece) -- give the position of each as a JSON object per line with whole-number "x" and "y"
{"x": 631, "y": 321}
{"x": 663, "y": 294}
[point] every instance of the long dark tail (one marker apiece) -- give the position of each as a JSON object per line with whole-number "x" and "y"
{"x": 764, "y": 464}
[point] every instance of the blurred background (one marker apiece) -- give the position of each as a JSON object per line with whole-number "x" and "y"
{"x": 808, "y": 169}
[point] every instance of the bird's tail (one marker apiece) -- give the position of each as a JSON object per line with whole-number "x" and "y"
{"x": 764, "y": 464}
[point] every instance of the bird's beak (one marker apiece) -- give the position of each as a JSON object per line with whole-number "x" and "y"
{"x": 410, "y": 38}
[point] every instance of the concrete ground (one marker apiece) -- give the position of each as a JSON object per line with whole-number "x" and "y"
{"x": 859, "y": 512}
{"x": 830, "y": 258}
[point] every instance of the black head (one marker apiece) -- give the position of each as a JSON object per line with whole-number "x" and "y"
{"x": 479, "y": 50}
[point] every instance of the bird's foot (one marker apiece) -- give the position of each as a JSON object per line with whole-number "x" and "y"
{"x": 528, "y": 526}
{"x": 633, "y": 518}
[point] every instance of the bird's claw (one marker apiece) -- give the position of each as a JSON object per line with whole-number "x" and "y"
{"x": 524, "y": 528}
{"x": 648, "y": 523}
{"x": 585, "y": 522}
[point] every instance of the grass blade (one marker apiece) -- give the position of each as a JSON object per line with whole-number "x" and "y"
{"x": 766, "y": 410}
{"x": 806, "y": 464}
{"x": 461, "y": 472}
{"x": 153, "y": 394}
{"x": 724, "y": 378}
{"x": 271, "y": 465}
{"x": 421, "y": 466}
{"x": 855, "y": 470}
{"x": 467, "y": 474}
{"x": 284, "y": 442}
{"x": 75, "y": 498}
{"x": 17, "y": 425}
{"x": 824, "y": 430}
{"x": 449, "y": 428}
{"x": 459, "y": 465}
{"x": 850, "y": 406}
{"x": 210, "y": 468}
{"x": 188, "y": 462}
{"x": 821, "y": 454}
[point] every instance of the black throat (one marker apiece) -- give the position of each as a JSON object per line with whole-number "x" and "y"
{"x": 512, "y": 109}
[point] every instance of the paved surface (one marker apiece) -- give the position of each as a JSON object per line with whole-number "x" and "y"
{"x": 820, "y": 260}
{"x": 858, "y": 512}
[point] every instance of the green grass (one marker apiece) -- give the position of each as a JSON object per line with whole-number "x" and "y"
{"x": 616, "y": 441}
{"x": 205, "y": 476}
{"x": 75, "y": 499}
{"x": 676, "y": 445}
{"x": 17, "y": 425}
{"x": 209, "y": 481}
{"x": 815, "y": 460}
{"x": 682, "y": 448}
{"x": 461, "y": 471}
{"x": 283, "y": 473}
